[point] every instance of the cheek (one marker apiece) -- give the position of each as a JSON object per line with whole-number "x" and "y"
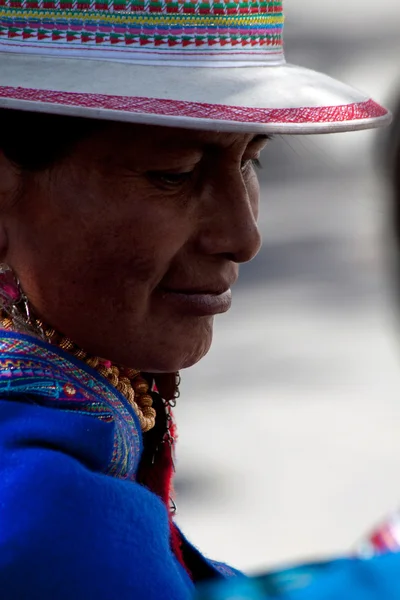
{"x": 89, "y": 261}
{"x": 90, "y": 249}
{"x": 121, "y": 262}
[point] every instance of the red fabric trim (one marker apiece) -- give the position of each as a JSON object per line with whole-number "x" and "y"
{"x": 157, "y": 477}
{"x": 199, "y": 110}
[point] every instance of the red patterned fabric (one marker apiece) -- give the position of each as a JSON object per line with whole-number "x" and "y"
{"x": 158, "y": 478}
{"x": 200, "y": 110}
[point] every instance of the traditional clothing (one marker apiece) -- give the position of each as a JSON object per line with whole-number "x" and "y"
{"x": 76, "y": 522}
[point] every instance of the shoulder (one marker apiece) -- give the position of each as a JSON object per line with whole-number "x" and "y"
{"x": 33, "y": 373}
{"x": 69, "y": 530}
{"x": 75, "y": 524}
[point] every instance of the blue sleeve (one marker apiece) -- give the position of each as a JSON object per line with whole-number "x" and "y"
{"x": 377, "y": 578}
{"x": 68, "y": 530}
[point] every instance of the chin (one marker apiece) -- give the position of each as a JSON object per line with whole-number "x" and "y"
{"x": 176, "y": 361}
{"x": 184, "y": 352}
{"x": 164, "y": 349}
{"x": 195, "y": 348}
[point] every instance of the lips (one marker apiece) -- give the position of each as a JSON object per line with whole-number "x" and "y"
{"x": 198, "y": 302}
{"x": 204, "y": 285}
{"x": 213, "y": 291}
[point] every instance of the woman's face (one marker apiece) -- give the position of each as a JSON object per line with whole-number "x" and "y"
{"x": 130, "y": 245}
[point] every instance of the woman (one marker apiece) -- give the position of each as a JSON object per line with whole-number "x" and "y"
{"x": 129, "y": 136}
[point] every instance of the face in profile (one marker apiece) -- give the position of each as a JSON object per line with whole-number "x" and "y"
{"x": 130, "y": 244}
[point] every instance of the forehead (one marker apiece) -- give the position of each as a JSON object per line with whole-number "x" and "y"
{"x": 169, "y": 139}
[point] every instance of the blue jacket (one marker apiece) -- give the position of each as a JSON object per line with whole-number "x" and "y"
{"x": 74, "y": 523}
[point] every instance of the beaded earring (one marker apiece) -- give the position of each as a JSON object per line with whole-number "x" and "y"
{"x": 15, "y": 311}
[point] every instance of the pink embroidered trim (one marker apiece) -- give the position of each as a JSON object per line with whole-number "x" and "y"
{"x": 199, "y": 110}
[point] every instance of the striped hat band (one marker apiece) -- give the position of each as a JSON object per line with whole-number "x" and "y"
{"x": 145, "y": 30}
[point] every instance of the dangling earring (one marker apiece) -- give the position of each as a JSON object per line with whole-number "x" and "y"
{"x": 15, "y": 312}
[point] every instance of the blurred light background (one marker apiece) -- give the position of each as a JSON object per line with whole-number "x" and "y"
{"x": 289, "y": 442}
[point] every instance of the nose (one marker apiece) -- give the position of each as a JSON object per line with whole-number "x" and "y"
{"x": 229, "y": 223}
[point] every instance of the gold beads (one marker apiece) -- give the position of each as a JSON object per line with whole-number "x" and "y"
{"x": 130, "y": 373}
{"x": 123, "y": 388}
{"x": 140, "y": 385}
{"x": 93, "y": 362}
{"x": 80, "y": 354}
{"x": 113, "y": 379}
{"x": 65, "y": 343}
{"x": 146, "y": 400}
{"x": 102, "y": 370}
{"x": 49, "y": 332}
{"x": 147, "y": 418}
{"x": 135, "y": 389}
{"x": 126, "y": 380}
{"x": 6, "y": 323}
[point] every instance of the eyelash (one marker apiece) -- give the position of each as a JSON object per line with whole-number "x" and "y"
{"x": 254, "y": 162}
{"x": 178, "y": 179}
{"x": 171, "y": 179}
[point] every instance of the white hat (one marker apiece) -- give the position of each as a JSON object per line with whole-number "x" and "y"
{"x": 204, "y": 64}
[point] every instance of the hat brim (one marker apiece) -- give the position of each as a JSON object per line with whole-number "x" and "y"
{"x": 283, "y": 99}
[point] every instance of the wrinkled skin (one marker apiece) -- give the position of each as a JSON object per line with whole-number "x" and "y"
{"x": 131, "y": 210}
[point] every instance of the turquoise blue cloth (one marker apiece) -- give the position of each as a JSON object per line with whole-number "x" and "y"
{"x": 74, "y": 522}
{"x": 377, "y": 578}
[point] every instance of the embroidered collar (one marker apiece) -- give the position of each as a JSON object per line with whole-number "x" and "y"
{"x": 29, "y": 366}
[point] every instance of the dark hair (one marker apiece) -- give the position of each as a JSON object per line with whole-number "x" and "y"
{"x": 34, "y": 141}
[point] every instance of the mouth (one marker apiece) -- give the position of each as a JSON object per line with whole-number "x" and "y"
{"x": 197, "y": 302}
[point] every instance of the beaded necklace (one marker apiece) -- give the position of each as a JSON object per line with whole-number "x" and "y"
{"x": 126, "y": 380}
{"x": 16, "y": 314}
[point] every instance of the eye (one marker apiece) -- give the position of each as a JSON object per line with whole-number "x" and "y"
{"x": 170, "y": 180}
{"x": 251, "y": 163}
{"x": 256, "y": 163}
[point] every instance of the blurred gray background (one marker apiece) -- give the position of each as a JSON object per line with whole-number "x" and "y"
{"x": 289, "y": 443}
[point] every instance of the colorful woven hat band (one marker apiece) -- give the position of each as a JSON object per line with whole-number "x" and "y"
{"x": 143, "y": 30}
